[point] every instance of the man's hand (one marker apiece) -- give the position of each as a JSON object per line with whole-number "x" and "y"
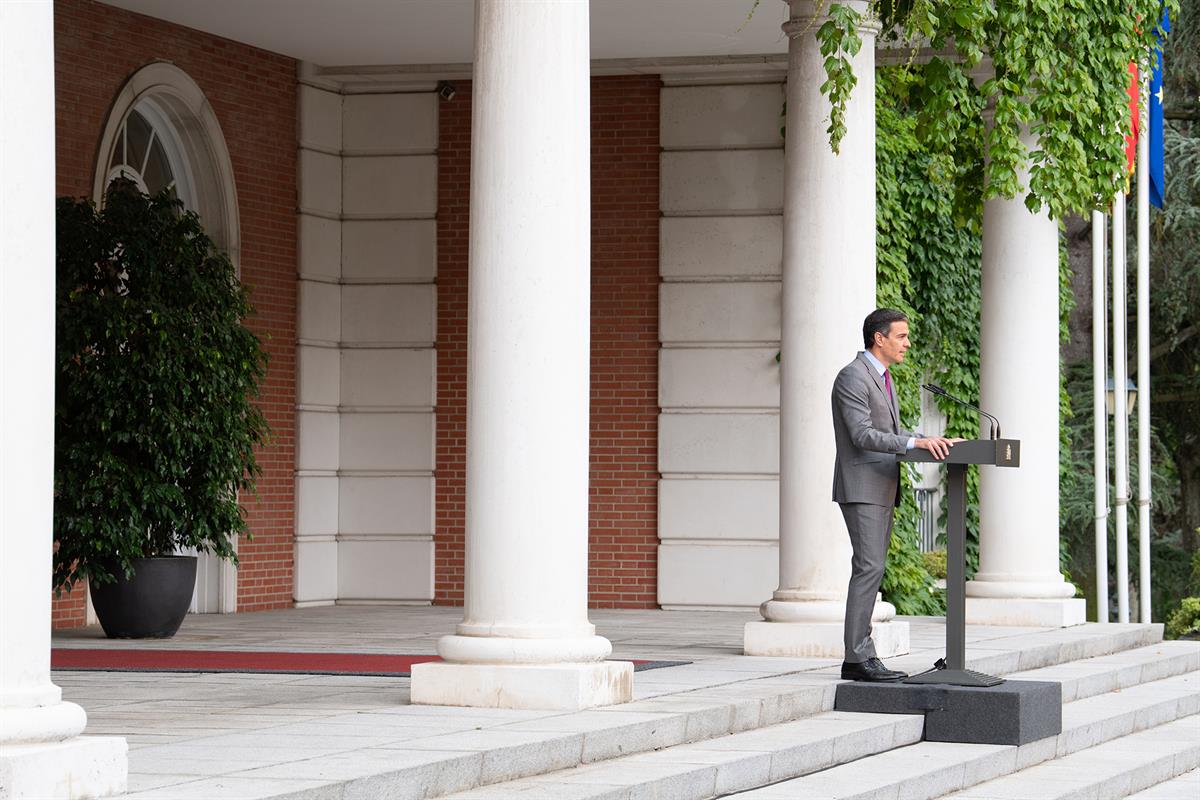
{"x": 938, "y": 445}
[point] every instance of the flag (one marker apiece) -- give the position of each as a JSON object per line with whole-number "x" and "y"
{"x": 1135, "y": 123}
{"x": 1158, "y": 186}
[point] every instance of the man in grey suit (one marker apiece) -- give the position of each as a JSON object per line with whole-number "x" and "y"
{"x": 866, "y": 476}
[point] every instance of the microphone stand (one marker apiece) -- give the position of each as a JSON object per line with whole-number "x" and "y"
{"x": 933, "y": 388}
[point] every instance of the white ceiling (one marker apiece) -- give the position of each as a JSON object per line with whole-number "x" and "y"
{"x": 394, "y": 32}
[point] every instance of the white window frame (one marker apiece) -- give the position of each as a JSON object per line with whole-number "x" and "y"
{"x": 176, "y": 107}
{"x": 163, "y": 134}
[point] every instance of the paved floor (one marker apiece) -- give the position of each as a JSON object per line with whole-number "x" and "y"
{"x": 186, "y": 730}
{"x": 416, "y": 629}
{"x": 651, "y": 634}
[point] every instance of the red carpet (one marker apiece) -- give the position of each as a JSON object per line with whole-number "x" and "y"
{"x": 129, "y": 660}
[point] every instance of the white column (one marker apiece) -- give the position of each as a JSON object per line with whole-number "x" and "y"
{"x": 41, "y": 752}
{"x": 526, "y": 641}
{"x": 828, "y": 289}
{"x": 1019, "y": 582}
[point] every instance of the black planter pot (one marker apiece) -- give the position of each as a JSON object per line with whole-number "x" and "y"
{"x": 151, "y": 604}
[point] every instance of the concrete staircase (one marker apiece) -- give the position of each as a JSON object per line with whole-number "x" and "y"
{"x": 1131, "y": 724}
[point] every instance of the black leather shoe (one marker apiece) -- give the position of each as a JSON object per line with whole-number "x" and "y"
{"x": 870, "y": 670}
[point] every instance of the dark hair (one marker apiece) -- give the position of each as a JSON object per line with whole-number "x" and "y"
{"x": 880, "y": 321}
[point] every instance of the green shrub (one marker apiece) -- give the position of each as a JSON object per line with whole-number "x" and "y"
{"x": 1184, "y": 620}
{"x": 935, "y": 563}
{"x": 155, "y": 424}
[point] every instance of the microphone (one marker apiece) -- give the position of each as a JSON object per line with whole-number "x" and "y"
{"x": 933, "y": 388}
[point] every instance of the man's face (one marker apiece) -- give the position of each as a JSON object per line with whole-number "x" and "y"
{"x": 891, "y": 348}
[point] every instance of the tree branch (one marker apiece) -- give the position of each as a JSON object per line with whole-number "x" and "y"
{"x": 1191, "y": 114}
{"x": 1161, "y": 349}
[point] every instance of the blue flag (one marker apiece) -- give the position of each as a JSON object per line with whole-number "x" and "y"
{"x": 1158, "y": 187}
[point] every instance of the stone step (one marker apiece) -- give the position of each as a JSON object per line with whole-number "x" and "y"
{"x": 995, "y": 772}
{"x": 1107, "y": 771}
{"x": 1185, "y": 787}
{"x": 744, "y": 705}
{"x": 1009, "y": 653}
{"x": 1162, "y": 711}
{"x": 818, "y": 749}
{"x": 721, "y": 766}
{"x": 1105, "y": 717}
{"x": 676, "y": 706}
{"x": 1107, "y": 673}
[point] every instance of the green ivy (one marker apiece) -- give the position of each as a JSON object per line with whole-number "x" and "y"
{"x": 840, "y": 42}
{"x": 929, "y": 257}
{"x": 1059, "y": 68}
{"x": 928, "y": 265}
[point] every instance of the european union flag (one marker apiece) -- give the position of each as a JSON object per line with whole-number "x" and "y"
{"x": 1158, "y": 186}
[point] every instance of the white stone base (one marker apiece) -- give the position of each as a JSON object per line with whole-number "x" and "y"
{"x": 819, "y": 639}
{"x": 551, "y": 686}
{"x": 1042, "y": 613}
{"x": 81, "y": 767}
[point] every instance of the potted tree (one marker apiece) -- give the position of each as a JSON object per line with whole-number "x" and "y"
{"x": 155, "y": 421}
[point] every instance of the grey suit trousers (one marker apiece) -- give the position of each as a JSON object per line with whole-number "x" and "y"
{"x": 866, "y": 484}
{"x": 870, "y": 528}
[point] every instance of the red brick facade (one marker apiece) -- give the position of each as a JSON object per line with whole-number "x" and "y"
{"x": 450, "y": 465}
{"x": 623, "y": 517}
{"x": 624, "y": 411}
{"x": 253, "y": 93}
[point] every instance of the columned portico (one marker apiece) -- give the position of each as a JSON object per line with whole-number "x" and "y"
{"x": 41, "y": 752}
{"x": 526, "y": 641}
{"x": 1019, "y": 581}
{"x": 828, "y": 288}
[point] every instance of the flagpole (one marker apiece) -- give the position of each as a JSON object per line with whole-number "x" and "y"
{"x": 1120, "y": 419}
{"x": 1099, "y": 418}
{"x": 1143, "y": 354}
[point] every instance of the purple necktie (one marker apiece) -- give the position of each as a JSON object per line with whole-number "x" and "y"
{"x": 887, "y": 382}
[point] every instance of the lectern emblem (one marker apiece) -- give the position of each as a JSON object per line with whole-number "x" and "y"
{"x": 1008, "y": 452}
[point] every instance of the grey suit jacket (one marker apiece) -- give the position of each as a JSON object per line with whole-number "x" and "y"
{"x": 866, "y": 429}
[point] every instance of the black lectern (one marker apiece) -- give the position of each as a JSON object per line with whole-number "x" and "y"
{"x": 993, "y": 452}
{"x": 968, "y": 706}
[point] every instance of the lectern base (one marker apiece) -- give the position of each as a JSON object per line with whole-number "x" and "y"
{"x": 955, "y": 677}
{"x": 1013, "y": 712}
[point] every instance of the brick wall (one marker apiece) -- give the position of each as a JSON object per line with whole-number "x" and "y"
{"x": 253, "y": 93}
{"x": 624, "y": 410}
{"x": 623, "y": 517}
{"x": 450, "y": 465}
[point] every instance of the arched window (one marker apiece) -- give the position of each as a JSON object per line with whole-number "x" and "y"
{"x": 162, "y": 134}
{"x": 146, "y": 154}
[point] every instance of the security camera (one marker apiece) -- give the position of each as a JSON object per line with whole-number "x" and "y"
{"x": 446, "y": 90}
